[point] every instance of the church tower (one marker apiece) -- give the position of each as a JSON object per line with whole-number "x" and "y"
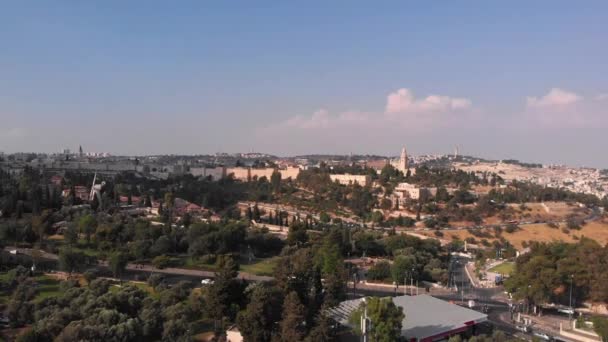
{"x": 402, "y": 166}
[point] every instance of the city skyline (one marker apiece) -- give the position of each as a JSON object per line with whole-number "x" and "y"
{"x": 522, "y": 81}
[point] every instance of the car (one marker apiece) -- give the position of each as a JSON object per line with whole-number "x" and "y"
{"x": 569, "y": 311}
{"x": 542, "y": 336}
{"x": 207, "y": 281}
{"x": 523, "y": 328}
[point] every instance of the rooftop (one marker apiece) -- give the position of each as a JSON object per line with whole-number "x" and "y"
{"x": 425, "y": 315}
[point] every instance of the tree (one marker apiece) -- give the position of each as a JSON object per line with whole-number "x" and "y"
{"x": 87, "y": 226}
{"x": 40, "y": 225}
{"x": 386, "y": 319}
{"x": 169, "y": 200}
{"x": 292, "y": 326}
{"x": 257, "y": 321}
{"x": 322, "y": 330}
{"x": 275, "y": 181}
{"x": 402, "y": 268}
{"x": 118, "y": 262}
{"x": 148, "y": 201}
{"x": 71, "y": 234}
{"x": 249, "y": 214}
{"x": 70, "y": 260}
{"x": 256, "y": 213}
{"x": 323, "y": 217}
{"x": 225, "y": 290}
{"x": 600, "y": 326}
{"x": 380, "y": 271}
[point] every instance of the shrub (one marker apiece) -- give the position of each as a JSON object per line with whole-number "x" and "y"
{"x": 512, "y": 228}
{"x": 438, "y": 233}
{"x": 90, "y": 275}
{"x": 380, "y": 271}
{"x": 574, "y": 223}
{"x": 161, "y": 261}
{"x": 155, "y": 279}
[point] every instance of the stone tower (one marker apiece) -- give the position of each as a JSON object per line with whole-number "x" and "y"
{"x": 402, "y": 165}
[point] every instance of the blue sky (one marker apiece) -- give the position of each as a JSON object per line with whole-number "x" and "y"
{"x": 518, "y": 79}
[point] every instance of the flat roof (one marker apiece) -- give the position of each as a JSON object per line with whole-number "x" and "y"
{"x": 425, "y": 316}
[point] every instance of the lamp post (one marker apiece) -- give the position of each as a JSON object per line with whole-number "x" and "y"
{"x": 355, "y": 284}
{"x": 412, "y": 282}
{"x": 571, "y": 309}
{"x": 364, "y": 321}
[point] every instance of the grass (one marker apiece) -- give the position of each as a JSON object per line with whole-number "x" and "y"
{"x": 504, "y": 268}
{"x": 263, "y": 267}
{"x": 198, "y": 264}
{"x": 597, "y": 231}
{"x": 47, "y": 287}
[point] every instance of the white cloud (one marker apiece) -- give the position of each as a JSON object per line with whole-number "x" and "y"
{"x": 403, "y": 101}
{"x": 401, "y": 108}
{"x": 561, "y": 108}
{"x": 319, "y": 119}
{"x": 323, "y": 119}
{"x": 555, "y": 98}
{"x": 602, "y": 97}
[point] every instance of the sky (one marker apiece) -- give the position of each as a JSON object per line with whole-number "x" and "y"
{"x": 514, "y": 79}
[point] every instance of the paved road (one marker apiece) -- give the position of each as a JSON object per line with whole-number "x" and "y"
{"x": 148, "y": 268}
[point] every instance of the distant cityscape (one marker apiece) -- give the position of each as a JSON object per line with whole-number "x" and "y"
{"x": 587, "y": 180}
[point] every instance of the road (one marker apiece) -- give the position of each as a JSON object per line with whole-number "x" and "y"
{"x": 140, "y": 268}
{"x": 462, "y": 290}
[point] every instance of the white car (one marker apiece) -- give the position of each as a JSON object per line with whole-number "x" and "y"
{"x": 207, "y": 281}
{"x": 542, "y": 336}
{"x": 569, "y": 311}
{"x": 523, "y": 328}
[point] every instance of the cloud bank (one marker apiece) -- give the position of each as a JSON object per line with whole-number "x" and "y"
{"x": 403, "y": 101}
{"x": 402, "y": 108}
{"x": 555, "y": 98}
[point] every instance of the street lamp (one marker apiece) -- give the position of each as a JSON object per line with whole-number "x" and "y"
{"x": 571, "y": 309}
{"x": 364, "y": 320}
{"x": 412, "y": 282}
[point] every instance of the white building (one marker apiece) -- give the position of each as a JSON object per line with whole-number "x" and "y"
{"x": 346, "y": 179}
{"x": 404, "y": 191}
